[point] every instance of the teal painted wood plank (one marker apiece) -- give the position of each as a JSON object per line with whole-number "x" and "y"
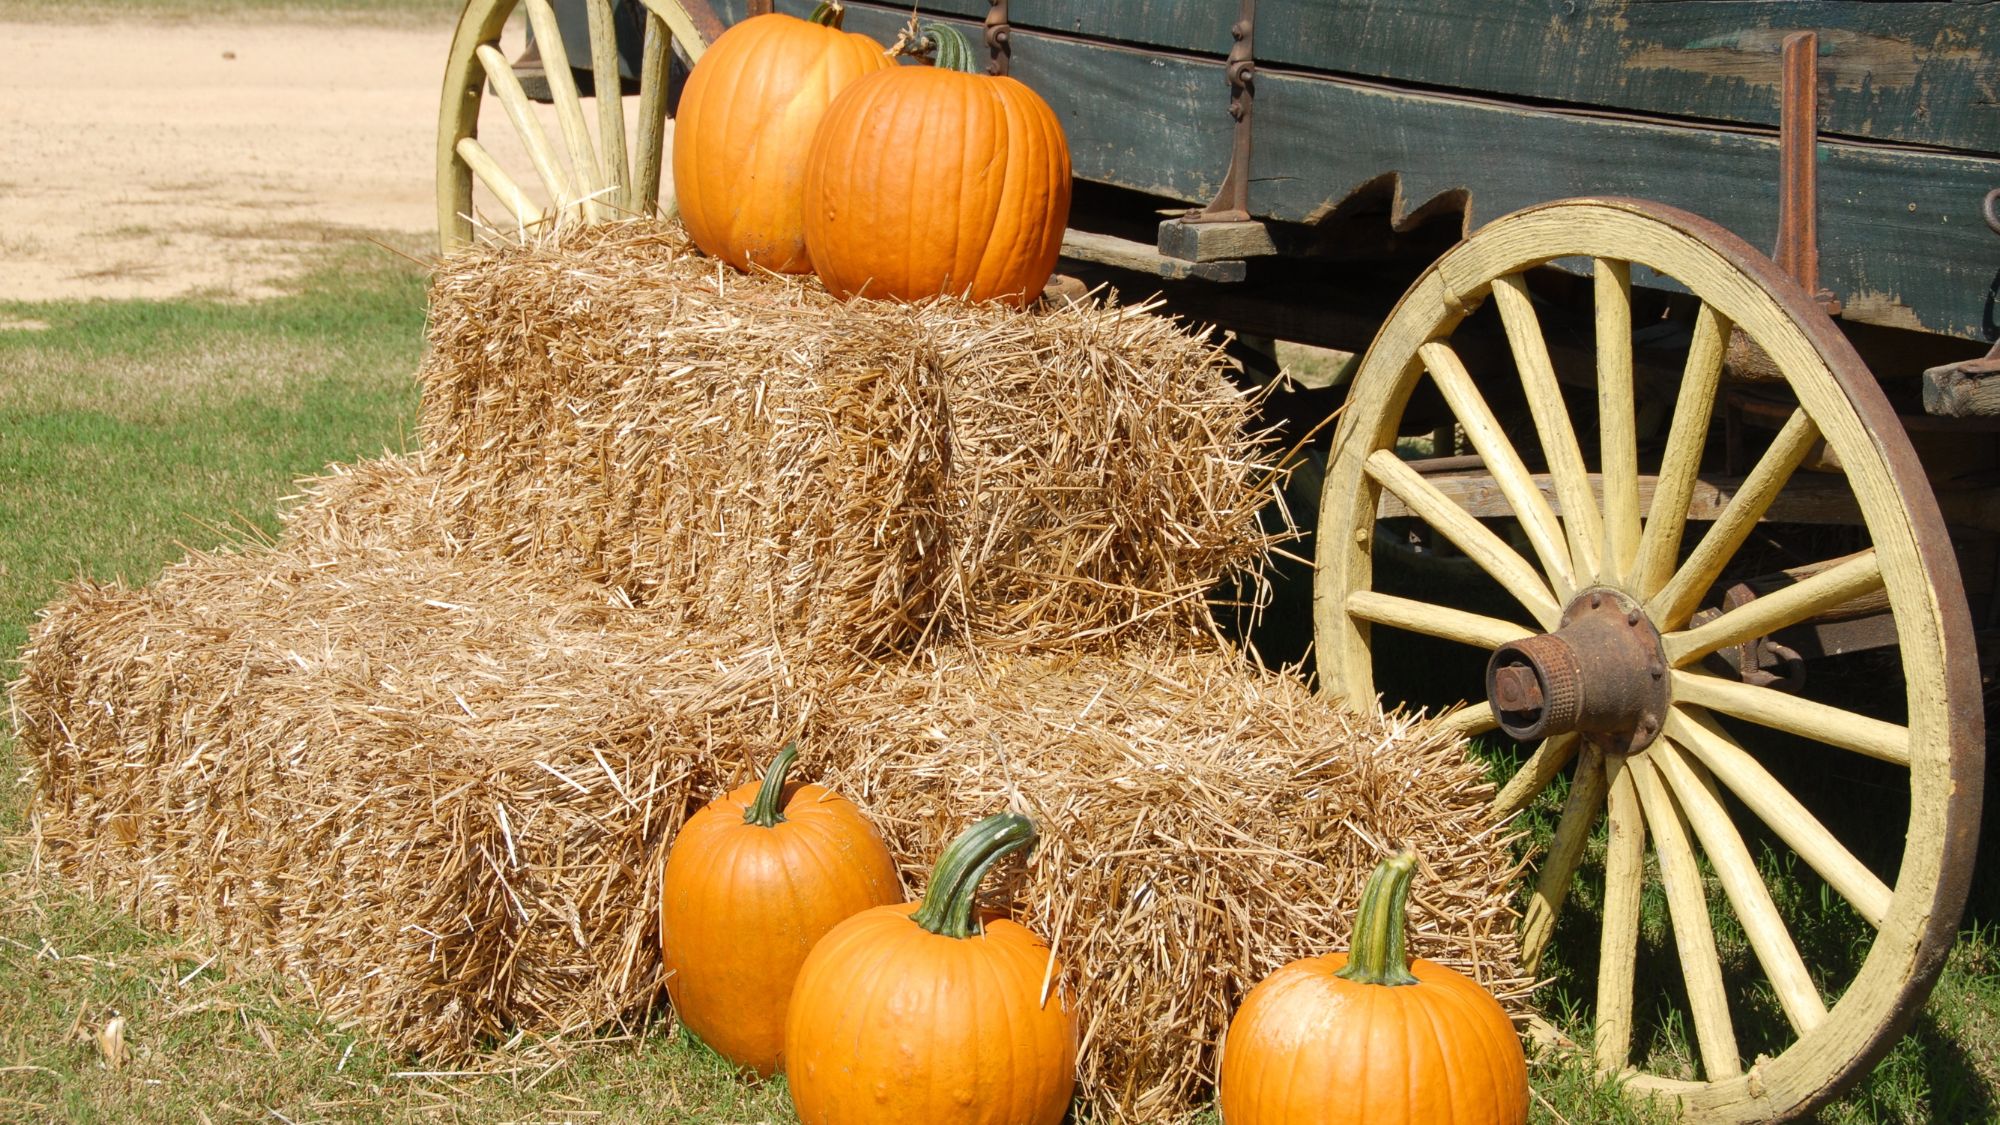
{"x": 1923, "y": 73}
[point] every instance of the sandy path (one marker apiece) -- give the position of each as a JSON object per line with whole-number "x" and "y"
{"x": 163, "y": 160}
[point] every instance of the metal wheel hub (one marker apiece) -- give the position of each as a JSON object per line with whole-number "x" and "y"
{"x": 1601, "y": 674}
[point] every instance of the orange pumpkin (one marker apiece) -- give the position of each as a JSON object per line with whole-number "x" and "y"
{"x": 1371, "y": 1036}
{"x": 918, "y": 1015}
{"x": 746, "y": 118}
{"x": 927, "y": 179}
{"x": 752, "y": 882}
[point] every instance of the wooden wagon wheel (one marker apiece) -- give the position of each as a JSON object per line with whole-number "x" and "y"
{"x": 588, "y": 179}
{"x": 1601, "y": 661}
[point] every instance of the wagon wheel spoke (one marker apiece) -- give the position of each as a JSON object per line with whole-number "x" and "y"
{"x": 1482, "y": 428}
{"x": 1434, "y": 620}
{"x": 593, "y": 172}
{"x": 1469, "y": 721}
{"x": 1618, "y": 941}
{"x": 1535, "y": 775}
{"x": 1733, "y": 766}
{"x": 1617, "y": 410}
{"x": 497, "y": 181}
{"x": 1676, "y": 600}
{"x": 1582, "y": 525}
{"x": 1767, "y": 707}
{"x": 1860, "y": 574}
{"x": 569, "y": 107}
{"x": 1478, "y": 542}
{"x": 1680, "y": 464}
{"x": 1566, "y": 847}
{"x": 651, "y": 141}
{"x": 616, "y": 174}
{"x": 528, "y": 127}
{"x": 1702, "y": 805}
{"x": 1694, "y": 934}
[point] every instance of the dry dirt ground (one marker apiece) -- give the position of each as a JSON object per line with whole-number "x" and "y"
{"x": 174, "y": 159}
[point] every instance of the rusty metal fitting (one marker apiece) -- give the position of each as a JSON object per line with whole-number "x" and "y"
{"x": 1601, "y": 673}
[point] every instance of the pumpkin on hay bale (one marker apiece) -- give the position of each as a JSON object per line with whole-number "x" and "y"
{"x": 422, "y": 754}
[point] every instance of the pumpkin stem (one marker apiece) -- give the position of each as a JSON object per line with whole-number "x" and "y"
{"x": 829, "y": 13}
{"x": 764, "y": 812}
{"x": 938, "y": 44}
{"x": 954, "y": 891}
{"x": 1376, "y": 954}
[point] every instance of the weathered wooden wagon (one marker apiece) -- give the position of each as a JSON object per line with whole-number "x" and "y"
{"x": 1598, "y": 454}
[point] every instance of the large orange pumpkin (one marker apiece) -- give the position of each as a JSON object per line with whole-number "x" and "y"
{"x": 927, "y": 179}
{"x": 1371, "y": 1036}
{"x": 919, "y": 1015}
{"x": 753, "y": 880}
{"x": 746, "y": 119}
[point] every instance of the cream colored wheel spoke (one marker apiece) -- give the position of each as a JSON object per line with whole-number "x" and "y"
{"x": 1829, "y": 589}
{"x": 1581, "y": 523}
{"x": 616, "y": 175}
{"x": 1617, "y": 410}
{"x": 1694, "y": 937}
{"x": 580, "y": 179}
{"x": 1535, "y": 774}
{"x": 1469, "y": 535}
{"x": 1782, "y": 812}
{"x": 1677, "y": 600}
{"x": 1469, "y": 721}
{"x": 1538, "y": 521}
{"x": 1434, "y": 620}
{"x": 1565, "y": 855}
{"x": 1744, "y": 885}
{"x": 569, "y": 107}
{"x": 528, "y": 127}
{"x": 1618, "y": 942}
{"x": 499, "y": 182}
{"x": 1634, "y": 533}
{"x": 1775, "y": 709}
{"x": 1680, "y": 465}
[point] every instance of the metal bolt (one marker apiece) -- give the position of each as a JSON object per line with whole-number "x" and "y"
{"x": 1632, "y": 618}
{"x": 1517, "y": 688}
{"x": 1595, "y": 599}
{"x": 1657, "y": 669}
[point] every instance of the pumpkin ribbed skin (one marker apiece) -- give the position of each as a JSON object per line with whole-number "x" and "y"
{"x": 1308, "y": 1048}
{"x": 924, "y": 180}
{"x": 1375, "y": 1038}
{"x": 894, "y": 1023}
{"x": 741, "y": 906}
{"x": 746, "y": 119}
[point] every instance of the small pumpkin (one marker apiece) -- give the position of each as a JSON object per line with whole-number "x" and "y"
{"x": 753, "y": 880}
{"x": 929, "y": 179}
{"x": 1372, "y": 1036}
{"x": 746, "y": 118}
{"x": 920, "y": 1015}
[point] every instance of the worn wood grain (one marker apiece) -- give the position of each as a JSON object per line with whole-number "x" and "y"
{"x": 1924, "y": 73}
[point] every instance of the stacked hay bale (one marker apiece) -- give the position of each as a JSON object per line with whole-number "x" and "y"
{"x": 425, "y": 752}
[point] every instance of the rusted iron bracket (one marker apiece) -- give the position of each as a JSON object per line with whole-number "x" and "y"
{"x": 1232, "y": 202}
{"x": 1797, "y": 252}
{"x": 1991, "y": 209}
{"x": 998, "y": 32}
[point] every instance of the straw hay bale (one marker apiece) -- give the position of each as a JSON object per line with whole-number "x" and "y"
{"x": 862, "y": 474}
{"x": 433, "y": 790}
{"x": 1202, "y": 824}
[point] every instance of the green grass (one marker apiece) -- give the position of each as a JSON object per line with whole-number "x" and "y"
{"x": 128, "y": 429}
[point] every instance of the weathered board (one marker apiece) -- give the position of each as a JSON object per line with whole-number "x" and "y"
{"x": 1902, "y": 240}
{"x": 1921, "y": 73}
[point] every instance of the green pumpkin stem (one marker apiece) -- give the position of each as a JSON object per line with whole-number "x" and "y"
{"x": 1376, "y": 955}
{"x": 764, "y": 811}
{"x": 829, "y": 13}
{"x": 938, "y": 44}
{"x": 948, "y": 903}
